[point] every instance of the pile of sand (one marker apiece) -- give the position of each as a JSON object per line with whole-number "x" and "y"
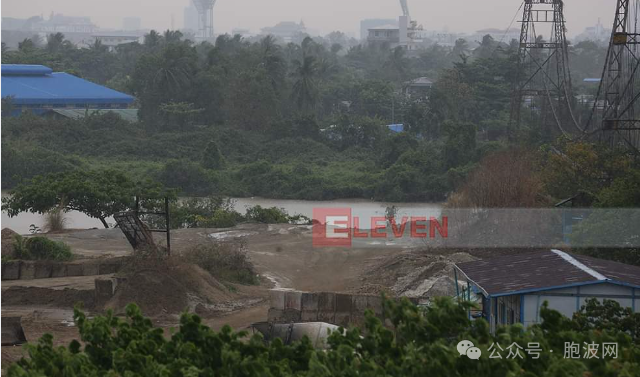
{"x": 166, "y": 287}
{"x": 415, "y": 273}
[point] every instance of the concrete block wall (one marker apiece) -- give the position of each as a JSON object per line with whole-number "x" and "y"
{"x": 336, "y": 308}
{"x": 26, "y": 270}
{"x": 104, "y": 289}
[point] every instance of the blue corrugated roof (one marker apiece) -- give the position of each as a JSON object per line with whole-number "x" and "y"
{"x": 35, "y": 85}
{"x": 25, "y": 69}
{"x": 396, "y": 127}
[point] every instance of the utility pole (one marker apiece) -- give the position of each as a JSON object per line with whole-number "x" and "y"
{"x": 543, "y": 80}
{"x": 616, "y": 111}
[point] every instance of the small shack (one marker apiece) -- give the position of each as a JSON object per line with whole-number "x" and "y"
{"x": 511, "y": 289}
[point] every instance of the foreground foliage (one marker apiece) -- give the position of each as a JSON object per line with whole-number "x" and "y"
{"x": 423, "y": 344}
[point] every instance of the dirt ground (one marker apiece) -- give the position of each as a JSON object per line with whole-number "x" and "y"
{"x": 283, "y": 255}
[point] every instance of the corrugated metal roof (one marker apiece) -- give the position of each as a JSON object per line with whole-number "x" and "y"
{"x": 613, "y": 270}
{"x": 537, "y": 271}
{"x": 27, "y": 87}
{"x": 130, "y": 115}
{"x": 25, "y": 69}
{"x": 420, "y": 81}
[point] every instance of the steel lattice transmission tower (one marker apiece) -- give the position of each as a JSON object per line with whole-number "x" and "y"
{"x": 616, "y": 111}
{"x": 543, "y": 80}
{"x": 205, "y": 17}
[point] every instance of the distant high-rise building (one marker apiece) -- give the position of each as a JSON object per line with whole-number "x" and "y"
{"x": 131, "y": 23}
{"x": 376, "y": 23}
{"x": 190, "y": 17}
{"x": 597, "y": 33}
{"x": 288, "y": 31}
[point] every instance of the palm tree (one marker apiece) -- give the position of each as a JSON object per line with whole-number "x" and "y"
{"x": 460, "y": 49}
{"x": 26, "y": 46}
{"x": 55, "y": 42}
{"x": 98, "y": 47}
{"x": 305, "y": 88}
{"x": 173, "y": 68}
{"x": 153, "y": 39}
{"x": 172, "y": 36}
{"x": 397, "y": 63}
{"x": 272, "y": 61}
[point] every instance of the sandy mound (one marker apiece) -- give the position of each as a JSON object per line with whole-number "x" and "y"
{"x": 415, "y": 274}
{"x": 8, "y": 237}
{"x": 166, "y": 287}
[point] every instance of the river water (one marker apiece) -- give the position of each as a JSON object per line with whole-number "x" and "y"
{"x": 363, "y": 209}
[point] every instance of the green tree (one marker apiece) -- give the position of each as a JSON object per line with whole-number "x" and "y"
{"x": 212, "y": 157}
{"x": 55, "y": 42}
{"x": 305, "y": 89}
{"x": 460, "y": 144}
{"x": 98, "y": 194}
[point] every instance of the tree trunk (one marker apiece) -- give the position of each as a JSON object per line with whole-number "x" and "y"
{"x": 104, "y": 222}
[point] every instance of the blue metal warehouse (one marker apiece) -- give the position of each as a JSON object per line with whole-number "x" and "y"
{"x": 37, "y": 88}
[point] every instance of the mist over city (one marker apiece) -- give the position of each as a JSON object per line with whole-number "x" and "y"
{"x": 320, "y": 17}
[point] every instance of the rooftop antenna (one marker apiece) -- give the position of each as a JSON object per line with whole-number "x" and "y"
{"x": 205, "y": 17}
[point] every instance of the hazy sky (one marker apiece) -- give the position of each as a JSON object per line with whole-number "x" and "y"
{"x": 321, "y": 15}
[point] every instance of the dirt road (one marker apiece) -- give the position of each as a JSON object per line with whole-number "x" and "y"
{"x": 282, "y": 254}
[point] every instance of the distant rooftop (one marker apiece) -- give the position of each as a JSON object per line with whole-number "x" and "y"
{"x": 420, "y": 81}
{"x": 538, "y": 271}
{"x": 31, "y": 85}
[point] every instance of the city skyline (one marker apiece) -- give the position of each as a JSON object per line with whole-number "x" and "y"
{"x": 229, "y": 15}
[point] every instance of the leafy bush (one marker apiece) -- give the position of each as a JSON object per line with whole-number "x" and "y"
{"x": 41, "y": 248}
{"x": 423, "y": 343}
{"x": 224, "y": 261}
{"x": 273, "y": 215}
{"x": 212, "y": 211}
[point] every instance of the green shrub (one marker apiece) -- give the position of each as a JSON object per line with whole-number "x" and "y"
{"x": 41, "y": 248}
{"x": 212, "y": 211}
{"x": 224, "y": 261}
{"x": 271, "y": 215}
